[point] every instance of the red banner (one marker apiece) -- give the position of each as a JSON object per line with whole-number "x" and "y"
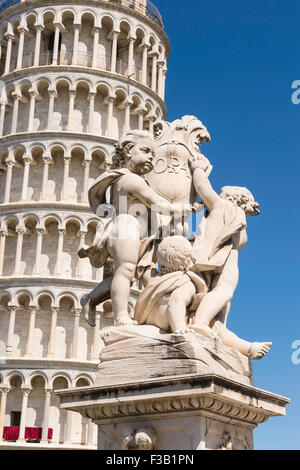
{"x": 11, "y": 433}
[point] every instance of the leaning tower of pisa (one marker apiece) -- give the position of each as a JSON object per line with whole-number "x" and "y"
{"x": 75, "y": 74}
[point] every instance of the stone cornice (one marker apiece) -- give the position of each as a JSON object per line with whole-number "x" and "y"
{"x": 207, "y": 395}
{"x": 55, "y": 136}
{"x": 45, "y": 206}
{"x": 50, "y": 281}
{"x": 46, "y": 363}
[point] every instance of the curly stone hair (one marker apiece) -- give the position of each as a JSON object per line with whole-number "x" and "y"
{"x": 126, "y": 142}
{"x": 238, "y": 195}
{"x": 175, "y": 254}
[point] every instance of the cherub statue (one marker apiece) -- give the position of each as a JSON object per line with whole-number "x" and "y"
{"x": 164, "y": 302}
{"x": 143, "y": 439}
{"x": 223, "y": 235}
{"x": 121, "y": 236}
{"x": 169, "y": 301}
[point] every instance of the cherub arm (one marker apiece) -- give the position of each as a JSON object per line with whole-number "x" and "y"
{"x": 138, "y": 188}
{"x": 240, "y": 240}
{"x": 177, "y": 305}
{"x": 202, "y": 184}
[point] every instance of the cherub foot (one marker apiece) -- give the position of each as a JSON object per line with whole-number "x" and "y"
{"x": 186, "y": 331}
{"x": 125, "y": 320}
{"x": 204, "y": 330}
{"x": 82, "y": 251}
{"x": 88, "y": 311}
{"x": 259, "y": 350}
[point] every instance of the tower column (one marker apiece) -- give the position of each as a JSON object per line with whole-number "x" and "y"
{"x": 84, "y": 427}
{"x": 9, "y": 164}
{"x": 11, "y": 327}
{"x": 46, "y": 161}
{"x": 14, "y": 120}
{"x": 4, "y": 392}
{"x": 26, "y": 392}
{"x": 8, "y": 53}
{"x": 68, "y": 433}
{"x": 84, "y": 197}
{"x": 56, "y": 44}
{"x": 37, "y": 266}
{"x": 130, "y": 56}
{"x": 20, "y": 48}
{"x": 160, "y": 77}
{"x": 3, "y": 235}
{"x": 90, "y": 432}
{"x": 145, "y": 63}
{"x": 91, "y": 99}
{"x": 95, "y": 48}
{"x": 67, "y": 161}
{"x": 52, "y": 95}
{"x": 61, "y": 235}
{"x": 154, "y": 71}
{"x": 33, "y": 95}
{"x": 114, "y": 51}
{"x": 163, "y": 86}
{"x": 72, "y": 94}
{"x": 32, "y": 311}
{"x": 76, "y": 29}
{"x": 51, "y": 346}
{"x": 127, "y": 117}
{"x": 77, "y": 313}
{"x": 110, "y": 110}
{"x": 37, "y": 47}
{"x": 2, "y": 117}
{"x": 27, "y": 162}
{"x": 46, "y": 416}
{"x": 20, "y": 233}
{"x": 141, "y": 119}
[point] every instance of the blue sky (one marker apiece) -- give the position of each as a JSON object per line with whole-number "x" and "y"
{"x": 232, "y": 65}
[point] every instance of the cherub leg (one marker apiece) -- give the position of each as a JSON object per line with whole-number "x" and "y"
{"x": 210, "y": 306}
{"x": 218, "y": 298}
{"x": 123, "y": 246}
{"x": 176, "y": 311}
{"x": 205, "y": 248}
{"x": 90, "y": 301}
{"x": 252, "y": 350}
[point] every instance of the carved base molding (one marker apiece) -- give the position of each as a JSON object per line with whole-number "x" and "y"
{"x": 189, "y": 412}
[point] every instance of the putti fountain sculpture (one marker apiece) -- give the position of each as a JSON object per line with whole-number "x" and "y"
{"x": 173, "y": 376}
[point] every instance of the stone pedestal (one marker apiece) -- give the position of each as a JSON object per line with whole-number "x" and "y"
{"x": 171, "y": 392}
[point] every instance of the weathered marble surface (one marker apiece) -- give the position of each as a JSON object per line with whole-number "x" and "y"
{"x": 181, "y": 434}
{"x": 143, "y": 351}
{"x": 185, "y": 413}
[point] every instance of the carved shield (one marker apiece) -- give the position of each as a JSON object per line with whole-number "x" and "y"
{"x": 176, "y": 143}
{"x": 171, "y": 176}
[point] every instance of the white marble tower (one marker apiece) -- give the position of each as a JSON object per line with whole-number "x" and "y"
{"x": 74, "y": 76}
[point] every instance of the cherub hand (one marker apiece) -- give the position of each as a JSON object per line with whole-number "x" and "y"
{"x": 202, "y": 163}
{"x": 198, "y": 207}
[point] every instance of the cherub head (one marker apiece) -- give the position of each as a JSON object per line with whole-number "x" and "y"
{"x": 242, "y": 198}
{"x": 143, "y": 439}
{"x": 135, "y": 151}
{"x": 175, "y": 254}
